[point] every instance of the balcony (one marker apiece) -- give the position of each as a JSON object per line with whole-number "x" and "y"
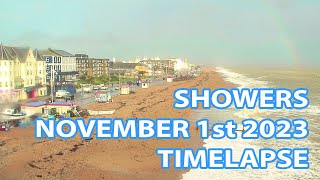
{"x": 19, "y": 86}
{"x": 39, "y": 85}
{"x": 18, "y": 79}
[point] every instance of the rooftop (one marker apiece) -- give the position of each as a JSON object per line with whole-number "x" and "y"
{"x": 60, "y": 103}
{"x": 21, "y": 52}
{"x": 62, "y": 53}
{"x": 47, "y": 52}
{"x": 38, "y": 56}
{"x": 5, "y": 53}
{"x": 35, "y": 104}
{"x": 10, "y": 53}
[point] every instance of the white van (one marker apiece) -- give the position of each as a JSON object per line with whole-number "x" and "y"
{"x": 88, "y": 88}
{"x": 61, "y": 93}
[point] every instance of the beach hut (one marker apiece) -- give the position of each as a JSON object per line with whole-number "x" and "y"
{"x": 169, "y": 78}
{"x": 60, "y": 107}
{"x": 125, "y": 89}
{"x": 31, "y": 108}
{"x": 101, "y": 96}
{"x": 145, "y": 84}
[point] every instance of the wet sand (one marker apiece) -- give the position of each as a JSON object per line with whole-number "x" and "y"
{"x": 24, "y": 157}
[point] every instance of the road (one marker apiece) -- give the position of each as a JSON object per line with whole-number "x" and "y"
{"x": 88, "y": 98}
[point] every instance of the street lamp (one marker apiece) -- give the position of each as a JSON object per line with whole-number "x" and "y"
{"x": 82, "y": 94}
{"x": 109, "y": 77}
{"x": 119, "y": 81}
{"x": 52, "y": 78}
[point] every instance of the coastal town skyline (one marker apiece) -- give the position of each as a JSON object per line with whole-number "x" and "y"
{"x": 283, "y": 32}
{"x": 160, "y": 89}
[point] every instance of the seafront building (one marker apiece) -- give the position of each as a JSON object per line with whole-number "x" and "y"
{"x": 27, "y": 73}
{"x": 133, "y": 70}
{"x": 82, "y": 63}
{"x": 91, "y": 66}
{"x": 181, "y": 64}
{"x": 61, "y": 67}
{"x": 159, "y": 64}
{"x": 166, "y": 65}
{"x": 21, "y": 74}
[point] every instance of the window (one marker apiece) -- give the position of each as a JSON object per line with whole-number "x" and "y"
{"x": 11, "y": 84}
{"x": 30, "y": 81}
{"x": 6, "y": 84}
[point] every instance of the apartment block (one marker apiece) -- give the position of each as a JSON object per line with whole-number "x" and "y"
{"x": 91, "y": 66}
{"x": 20, "y": 76}
{"x": 61, "y": 67}
{"x": 159, "y": 64}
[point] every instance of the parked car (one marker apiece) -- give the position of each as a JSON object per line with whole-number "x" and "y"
{"x": 96, "y": 88}
{"x": 50, "y": 100}
{"x": 69, "y": 96}
{"x": 103, "y": 87}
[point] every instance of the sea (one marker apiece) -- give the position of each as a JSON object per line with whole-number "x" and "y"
{"x": 257, "y": 77}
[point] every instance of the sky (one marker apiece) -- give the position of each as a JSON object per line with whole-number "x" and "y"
{"x": 203, "y": 31}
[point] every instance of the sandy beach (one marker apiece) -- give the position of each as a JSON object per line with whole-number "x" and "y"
{"x": 24, "y": 157}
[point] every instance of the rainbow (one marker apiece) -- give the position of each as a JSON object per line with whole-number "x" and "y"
{"x": 283, "y": 33}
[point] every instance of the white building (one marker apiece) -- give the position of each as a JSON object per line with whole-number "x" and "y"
{"x": 64, "y": 65}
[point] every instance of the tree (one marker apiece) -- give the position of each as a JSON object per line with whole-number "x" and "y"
{"x": 83, "y": 77}
{"x": 142, "y": 73}
{"x": 90, "y": 79}
{"x": 114, "y": 78}
{"x": 103, "y": 79}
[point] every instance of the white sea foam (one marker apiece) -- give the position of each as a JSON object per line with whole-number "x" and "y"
{"x": 247, "y": 82}
{"x": 242, "y": 80}
{"x": 239, "y": 144}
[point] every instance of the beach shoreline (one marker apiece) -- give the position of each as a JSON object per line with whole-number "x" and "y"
{"x": 106, "y": 159}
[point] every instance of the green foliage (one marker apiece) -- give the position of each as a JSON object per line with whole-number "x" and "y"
{"x": 83, "y": 76}
{"x": 103, "y": 79}
{"x": 114, "y": 78}
{"x": 142, "y": 73}
{"x": 86, "y": 79}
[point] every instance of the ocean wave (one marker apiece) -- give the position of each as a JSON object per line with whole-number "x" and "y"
{"x": 238, "y": 145}
{"x": 242, "y": 80}
{"x": 284, "y": 113}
